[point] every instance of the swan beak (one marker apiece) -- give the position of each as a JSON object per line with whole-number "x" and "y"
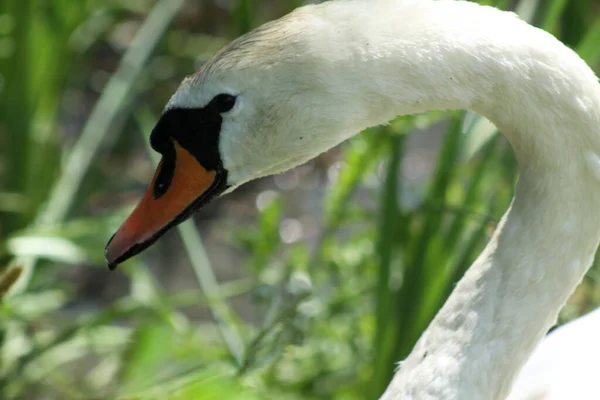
{"x": 190, "y": 187}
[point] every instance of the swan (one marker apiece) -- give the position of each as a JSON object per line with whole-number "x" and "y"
{"x": 295, "y": 87}
{"x": 564, "y": 365}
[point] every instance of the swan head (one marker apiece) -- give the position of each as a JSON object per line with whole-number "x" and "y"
{"x": 259, "y": 107}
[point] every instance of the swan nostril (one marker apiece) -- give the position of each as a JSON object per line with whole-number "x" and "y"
{"x": 161, "y": 188}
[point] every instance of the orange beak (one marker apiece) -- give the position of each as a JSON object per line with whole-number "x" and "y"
{"x": 190, "y": 187}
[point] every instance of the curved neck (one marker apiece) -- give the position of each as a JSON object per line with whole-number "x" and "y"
{"x": 422, "y": 55}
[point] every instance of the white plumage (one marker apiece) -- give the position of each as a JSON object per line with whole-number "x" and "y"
{"x": 324, "y": 72}
{"x": 565, "y": 365}
{"x": 321, "y": 74}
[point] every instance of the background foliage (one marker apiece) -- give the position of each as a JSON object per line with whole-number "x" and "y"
{"x": 321, "y": 278}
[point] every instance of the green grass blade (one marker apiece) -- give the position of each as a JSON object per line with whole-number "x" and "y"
{"x": 588, "y": 47}
{"x": 224, "y": 316}
{"x": 388, "y": 220}
{"x": 552, "y": 15}
{"x": 243, "y": 15}
{"x": 16, "y": 104}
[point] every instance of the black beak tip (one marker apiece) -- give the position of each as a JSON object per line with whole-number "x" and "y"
{"x": 113, "y": 262}
{"x": 112, "y": 265}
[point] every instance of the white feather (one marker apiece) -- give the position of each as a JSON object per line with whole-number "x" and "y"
{"x": 324, "y": 72}
{"x": 565, "y": 365}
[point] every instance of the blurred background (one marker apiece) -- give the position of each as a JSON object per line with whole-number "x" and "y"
{"x": 306, "y": 285}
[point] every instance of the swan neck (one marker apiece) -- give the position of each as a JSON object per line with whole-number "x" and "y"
{"x": 420, "y": 56}
{"x": 386, "y": 58}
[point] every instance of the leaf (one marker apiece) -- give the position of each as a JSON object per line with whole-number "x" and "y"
{"x": 49, "y": 247}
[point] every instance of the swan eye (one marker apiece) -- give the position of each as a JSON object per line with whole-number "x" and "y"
{"x": 224, "y": 102}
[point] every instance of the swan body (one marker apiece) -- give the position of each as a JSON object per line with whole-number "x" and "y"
{"x": 564, "y": 366}
{"x": 295, "y": 87}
